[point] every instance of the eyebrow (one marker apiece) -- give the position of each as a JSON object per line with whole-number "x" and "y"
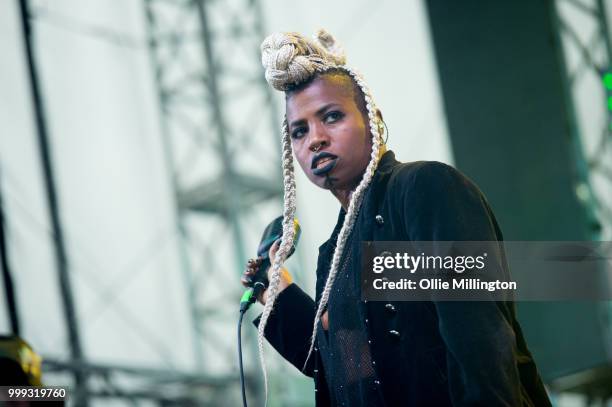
{"x": 318, "y": 113}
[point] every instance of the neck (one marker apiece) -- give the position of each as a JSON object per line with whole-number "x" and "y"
{"x": 344, "y": 195}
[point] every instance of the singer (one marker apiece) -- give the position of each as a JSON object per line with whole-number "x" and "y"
{"x": 362, "y": 353}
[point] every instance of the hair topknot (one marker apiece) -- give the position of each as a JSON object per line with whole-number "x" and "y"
{"x": 290, "y": 58}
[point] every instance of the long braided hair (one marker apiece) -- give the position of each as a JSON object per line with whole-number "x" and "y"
{"x": 290, "y": 60}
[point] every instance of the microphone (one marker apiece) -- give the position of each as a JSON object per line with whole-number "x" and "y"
{"x": 272, "y": 233}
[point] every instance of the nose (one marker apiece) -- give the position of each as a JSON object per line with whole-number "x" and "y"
{"x": 318, "y": 138}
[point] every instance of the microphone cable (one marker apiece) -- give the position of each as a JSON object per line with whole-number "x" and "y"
{"x": 248, "y": 298}
{"x": 242, "y": 385}
{"x": 272, "y": 233}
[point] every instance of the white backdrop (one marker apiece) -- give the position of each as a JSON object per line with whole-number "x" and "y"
{"x": 115, "y": 198}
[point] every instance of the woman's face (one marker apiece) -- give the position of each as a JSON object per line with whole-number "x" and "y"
{"x": 329, "y": 134}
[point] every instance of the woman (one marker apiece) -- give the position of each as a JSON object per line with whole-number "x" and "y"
{"x": 370, "y": 353}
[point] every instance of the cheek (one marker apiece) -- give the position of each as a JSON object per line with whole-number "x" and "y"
{"x": 364, "y": 151}
{"x": 358, "y": 129}
{"x": 300, "y": 155}
{"x": 361, "y": 140}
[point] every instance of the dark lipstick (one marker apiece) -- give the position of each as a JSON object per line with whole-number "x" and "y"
{"x": 333, "y": 160}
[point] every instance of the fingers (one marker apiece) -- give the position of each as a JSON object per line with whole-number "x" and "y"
{"x": 252, "y": 267}
{"x": 254, "y": 263}
{"x": 273, "y": 250}
{"x": 246, "y": 281}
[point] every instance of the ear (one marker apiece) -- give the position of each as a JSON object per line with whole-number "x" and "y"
{"x": 379, "y": 115}
{"x": 382, "y": 129}
{"x": 379, "y": 121}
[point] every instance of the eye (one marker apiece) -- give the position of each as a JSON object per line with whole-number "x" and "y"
{"x": 333, "y": 116}
{"x": 298, "y": 132}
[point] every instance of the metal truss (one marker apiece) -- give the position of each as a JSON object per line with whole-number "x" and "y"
{"x": 138, "y": 384}
{"x": 587, "y": 48}
{"x": 221, "y": 133}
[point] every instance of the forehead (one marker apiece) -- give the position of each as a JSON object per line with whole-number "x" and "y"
{"x": 321, "y": 91}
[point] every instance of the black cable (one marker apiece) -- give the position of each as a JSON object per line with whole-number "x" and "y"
{"x": 244, "y": 401}
{"x": 248, "y": 298}
{"x": 9, "y": 288}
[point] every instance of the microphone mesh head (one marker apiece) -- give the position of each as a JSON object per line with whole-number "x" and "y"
{"x": 273, "y": 232}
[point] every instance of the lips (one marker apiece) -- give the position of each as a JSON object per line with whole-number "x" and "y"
{"x": 323, "y": 163}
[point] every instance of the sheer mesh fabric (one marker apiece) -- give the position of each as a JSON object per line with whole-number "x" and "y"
{"x": 344, "y": 348}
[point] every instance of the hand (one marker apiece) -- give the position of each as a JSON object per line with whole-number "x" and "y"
{"x": 252, "y": 267}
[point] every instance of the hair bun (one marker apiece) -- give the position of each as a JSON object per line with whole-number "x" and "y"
{"x": 290, "y": 59}
{"x": 329, "y": 43}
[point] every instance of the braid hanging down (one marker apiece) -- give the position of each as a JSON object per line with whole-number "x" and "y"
{"x": 290, "y": 59}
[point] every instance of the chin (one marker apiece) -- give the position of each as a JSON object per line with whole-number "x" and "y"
{"x": 321, "y": 182}
{"x": 339, "y": 180}
{"x": 324, "y": 185}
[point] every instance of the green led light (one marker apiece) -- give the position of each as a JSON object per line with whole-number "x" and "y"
{"x": 609, "y": 102}
{"x": 607, "y": 80}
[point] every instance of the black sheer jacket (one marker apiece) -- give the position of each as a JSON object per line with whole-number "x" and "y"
{"x": 469, "y": 353}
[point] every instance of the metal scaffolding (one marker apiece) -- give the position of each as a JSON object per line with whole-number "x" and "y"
{"x": 220, "y": 129}
{"x": 61, "y": 258}
{"x": 587, "y": 48}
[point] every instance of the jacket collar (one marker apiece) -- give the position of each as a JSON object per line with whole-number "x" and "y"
{"x": 386, "y": 164}
{"x": 379, "y": 182}
{"x": 373, "y": 194}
